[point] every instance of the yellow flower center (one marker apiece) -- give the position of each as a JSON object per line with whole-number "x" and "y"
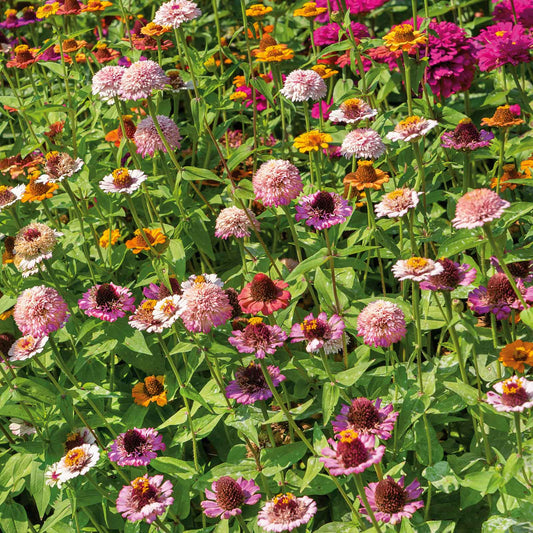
{"x": 121, "y": 177}
{"x": 255, "y": 320}
{"x": 75, "y": 456}
{"x": 21, "y": 48}
{"x": 398, "y": 193}
{"x": 500, "y": 33}
{"x": 465, "y": 121}
{"x": 199, "y": 279}
{"x": 26, "y": 343}
{"x": 511, "y": 386}
{"x": 283, "y": 499}
{"x": 51, "y": 155}
{"x": 415, "y": 119}
{"x": 309, "y": 325}
{"x": 141, "y": 484}
{"x": 149, "y": 304}
{"x": 348, "y": 435}
{"x": 11, "y": 12}
{"x": 416, "y": 263}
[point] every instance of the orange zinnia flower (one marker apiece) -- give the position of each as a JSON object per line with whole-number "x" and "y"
{"x": 403, "y": 37}
{"x": 516, "y": 354}
{"x": 104, "y": 240}
{"x": 258, "y": 10}
{"x": 138, "y": 243}
{"x": 95, "y": 5}
{"x": 509, "y": 173}
{"x": 152, "y": 390}
{"x": 37, "y": 192}
{"x": 324, "y": 72}
{"x": 24, "y": 57}
{"x": 503, "y": 118}
{"x": 366, "y": 177}
{"x": 270, "y": 51}
{"x": 154, "y": 30}
{"x": 309, "y": 10}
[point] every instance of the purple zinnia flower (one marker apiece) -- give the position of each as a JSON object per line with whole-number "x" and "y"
{"x": 351, "y": 453}
{"x": 514, "y": 395}
{"x": 107, "y": 302}
{"x": 391, "y": 502}
{"x": 452, "y": 275}
{"x": 136, "y": 447}
{"x": 258, "y": 338}
{"x": 466, "y": 137}
{"x": 503, "y": 12}
{"x": 323, "y": 209}
{"x": 250, "y": 386}
{"x": 319, "y": 332}
{"x": 381, "y": 323}
{"x": 227, "y": 496}
{"x": 158, "y": 292}
{"x": 286, "y": 512}
{"x": 366, "y": 418}
{"x": 521, "y": 269}
{"x": 145, "y": 498}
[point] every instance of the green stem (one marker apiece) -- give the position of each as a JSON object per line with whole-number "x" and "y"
{"x": 364, "y": 499}
{"x": 453, "y": 334}
{"x": 408, "y": 81}
{"x": 271, "y": 437}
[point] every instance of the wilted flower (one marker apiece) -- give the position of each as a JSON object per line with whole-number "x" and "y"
{"x": 258, "y": 338}
{"x": 478, "y": 207}
{"x": 9, "y": 195}
{"x": 136, "y": 447}
{"x": 363, "y": 143}
{"x": 58, "y": 166}
{"x": 20, "y": 427}
{"x": 286, "y": 512}
{"x": 33, "y": 244}
{"x": 512, "y": 395}
{"x": 319, "y": 333}
{"x": 250, "y": 386}
{"x": 381, "y": 323}
{"x": 227, "y": 496}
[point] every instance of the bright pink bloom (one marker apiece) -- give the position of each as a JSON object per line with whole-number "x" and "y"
{"x": 227, "y": 496}
{"x": 381, "y": 323}
{"x": 107, "y": 302}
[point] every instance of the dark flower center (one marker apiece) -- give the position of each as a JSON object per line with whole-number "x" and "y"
{"x": 352, "y": 452}
{"x": 514, "y": 395}
{"x": 6, "y": 195}
{"x": 450, "y": 276}
{"x": 37, "y": 188}
{"x": 285, "y": 505}
{"x": 133, "y": 441}
{"x": 143, "y": 492}
{"x": 233, "y": 298}
{"x": 229, "y": 493}
{"x": 74, "y": 440}
{"x": 503, "y": 115}
{"x": 31, "y": 234}
{"x": 366, "y": 173}
{"x": 390, "y": 497}
{"x": 314, "y": 329}
{"x": 9, "y": 244}
{"x": 250, "y": 379}
{"x": 521, "y": 269}
{"x": 363, "y": 414}
{"x": 6, "y": 340}
{"x": 324, "y": 202}
{"x": 106, "y": 296}
{"x": 500, "y": 290}
{"x": 466, "y": 133}
{"x": 163, "y": 289}
{"x": 263, "y": 289}
{"x": 256, "y": 334}
{"x": 152, "y": 386}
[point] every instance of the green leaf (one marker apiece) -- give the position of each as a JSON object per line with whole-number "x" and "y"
{"x": 484, "y": 482}
{"x": 330, "y": 397}
{"x": 173, "y": 466}
{"x": 466, "y": 392}
{"x": 277, "y": 459}
{"x": 314, "y": 466}
{"x": 61, "y": 510}
{"x": 13, "y": 518}
{"x": 527, "y": 317}
{"x": 442, "y": 477}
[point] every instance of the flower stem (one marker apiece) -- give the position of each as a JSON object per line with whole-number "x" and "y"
{"x": 453, "y": 334}
{"x": 264, "y": 410}
{"x": 408, "y": 80}
{"x": 364, "y": 499}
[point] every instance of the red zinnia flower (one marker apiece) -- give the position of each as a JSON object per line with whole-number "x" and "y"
{"x": 264, "y": 295}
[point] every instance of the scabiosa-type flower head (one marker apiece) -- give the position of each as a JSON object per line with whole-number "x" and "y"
{"x": 303, "y": 85}
{"x": 323, "y": 209}
{"x": 521, "y": 269}
{"x": 352, "y": 111}
{"x": 250, "y": 386}
{"x": 319, "y": 333}
{"x": 416, "y": 268}
{"x": 478, "y": 207}
{"x": 106, "y": 83}
{"x": 397, "y": 203}
{"x": 123, "y": 180}
{"x": 141, "y": 79}
{"x": 227, "y": 496}
{"x": 136, "y": 447}
{"x": 40, "y": 310}
{"x": 367, "y": 418}
{"x": 78, "y": 461}
{"x": 391, "y": 502}
{"x": 411, "y": 129}
{"x": 453, "y": 274}
{"x": 152, "y": 389}
{"x": 351, "y": 453}
{"x": 20, "y": 427}
{"x": 277, "y": 182}
{"x": 176, "y": 12}
{"x": 512, "y": 395}
{"x": 26, "y": 347}
{"x": 365, "y": 177}
{"x": 147, "y": 138}
{"x": 403, "y": 37}
{"x": 203, "y": 307}
{"x": 517, "y": 354}
{"x": 145, "y": 498}
{"x": 58, "y": 166}
{"x": 9, "y": 195}
{"x": 258, "y": 338}
{"x": 107, "y": 302}
{"x": 234, "y": 222}
{"x": 33, "y": 244}
{"x": 264, "y": 295}
{"x": 381, "y": 323}
{"x": 364, "y": 143}
{"x": 143, "y": 318}
{"x": 166, "y": 310}
{"x": 286, "y": 512}
{"x": 466, "y": 137}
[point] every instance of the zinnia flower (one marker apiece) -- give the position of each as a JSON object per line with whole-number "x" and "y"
{"x": 202, "y": 278}
{"x": 391, "y": 502}
{"x": 145, "y": 498}
{"x": 352, "y": 111}
{"x": 52, "y": 475}
{"x": 517, "y": 354}
{"x": 512, "y": 395}
{"x": 397, "y": 203}
{"x": 351, "y": 453}
{"x": 20, "y": 427}
{"x": 258, "y": 338}
{"x": 521, "y": 269}
{"x": 452, "y": 275}
{"x": 403, "y": 37}
{"x": 312, "y": 141}
{"x": 33, "y": 245}
{"x": 166, "y": 310}
{"x": 478, "y": 207}
{"x": 147, "y": 138}
{"x": 234, "y": 222}
{"x": 139, "y": 244}
{"x": 363, "y": 143}
{"x": 303, "y": 85}
{"x": 141, "y": 79}
{"x": 411, "y": 129}
{"x": 367, "y": 418}
{"x": 143, "y": 319}
{"x": 227, "y": 496}
{"x": 381, "y": 323}
{"x": 176, "y": 12}
{"x": 277, "y": 182}
{"x": 416, "y": 268}
{"x": 264, "y": 295}
{"x": 123, "y": 180}
{"x": 136, "y": 447}
{"x": 36, "y": 191}
{"x": 257, "y": 11}
{"x": 509, "y": 173}
{"x": 504, "y": 12}
{"x": 9, "y": 195}
{"x": 109, "y": 238}
{"x": 286, "y": 512}
{"x": 152, "y": 389}
{"x": 504, "y": 117}
{"x": 59, "y": 165}
{"x": 323, "y": 209}
{"x": 78, "y": 461}
{"x": 250, "y": 386}
{"x": 107, "y": 302}
{"x": 270, "y": 51}
{"x": 365, "y": 177}
{"x": 319, "y": 333}
{"x": 78, "y": 437}
{"x": 466, "y": 137}
{"x": 106, "y": 83}
{"x": 26, "y": 347}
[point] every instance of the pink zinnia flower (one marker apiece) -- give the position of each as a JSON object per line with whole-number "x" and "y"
{"x": 136, "y": 447}
{"x": 302, "y": 85}
{"x": 363, "y": 143}
{"x": 503, "y": 12}
{"x": 227, "y": 496}
{"x": 319, "y": 333}
{"x": 391, "y": 502}
{"x": 145, "y": 498}
{"x": 323, "y": 209}
{"x": 411, "y": 129}
{"x": 355, "y": 7}
{"x": 250, "y": 386}
{"x": 452, "y": 275}
{"x": 26, "y": 347}
{"x": 39, "y": 311}
{"x": 352, "y": 111}
{"x": 351, "y": 453}
{"x": 478, "y": 207}
{"x": 329, "y": 33}
{"x": 167, "y": 309}
{"x": 513, "y": 395}
{"x": 107, "y": 302}
{"x": 277, "y": 182}
{"x": 234, "y": 222}
{"x": 258, "y": 338}
{"x": 381, "y": 323}
{"x": 416, "y": 268}
{"x": 264, "y": 295}
{"x": 367, "y": 418}
{"x": 141, "y": 79}
{"x": 286, "y": 512}
{"x": 143, "y": 319}
{"x": 466, "y": 137}
{"x": 123, "y": 181}
{"x": 176, "y": 12}
{"x": 148, "y": 140}
{"x": 106, "y": 83}
{"x": 397, "y": 203}
{"x": 204, "y": 306}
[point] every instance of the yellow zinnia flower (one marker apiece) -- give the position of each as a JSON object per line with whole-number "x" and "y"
{"x": 403, "y": 37}
{"x": 312, "y": 141}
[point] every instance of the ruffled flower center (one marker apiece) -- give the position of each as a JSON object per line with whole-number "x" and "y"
{"x": 75, "y": 457}
{"x": 366, "y": 173}
{"x": 409, "y": 121}
{"x": 229, "y": 494}
{"x": 450, "y": 275}
{"x": 122, "y": 178}
{"x": 520, "y": 269}
{"x": 106, "y": 296}
{"x": 351, "y": 450}
{"x": 133, "y": 441}
{"x": 394, "y": 195}
{"x": 499, "y": 289}
{"x": 352, "y": 108}
{"x": 503, "y": 114}
{"x": 417, "y": 263}
{"x": 32, "y": 234}
{"x": 152, "y": 386}
{"x": 74, "y": 440}
{"x": 263, "y": 289}
{"x": 6, "y": 196}
{"x": 143, "y": 492}
{"x": 466, "y": 132}
{"x": 314, "y": 329}
{"x": 285, "y": 504}
{"x": 324, "y": 202}
{"x": 363, "y": 414}
{"x": 256, "y": 334}
{"x": 251, "y": 379}
{"x": 390, "y": 497}
{"x": 36, "y": 188}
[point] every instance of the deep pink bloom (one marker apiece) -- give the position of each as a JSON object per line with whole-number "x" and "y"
{"x": 250, "y": 386}
{"x": 329, "y": 33}
{"x": 315, "y": 110}
{"x": 521, "y": 269}
{"x": 466, "y": 137}
{"x": 503, "y": 12}
{"x": 136, "y": 447}
{"x": 381, "y": 323}
{"x": 258, "y": 338}
{"x": 264, "y": 295}
{"x": 148, "y": 140}
{"x": 277, "y": 182}
{"x": 158, "y": 292}
{"x": 355, "y": 7}
{"x": 452, "y": 275}
{"x": 478, "y": 207}
{"x": 512, "y": 395}
{"x": 107, "y": 302}
{"x": 286, "y": 512}
{"x": 227, "y": 496}
{"x": 323, "y": 209}
{"x": 319, "y": 333}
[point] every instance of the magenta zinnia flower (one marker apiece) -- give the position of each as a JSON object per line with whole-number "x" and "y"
{"x": 521, "y": 269}
{"x": 323, "y": 209}
{"x": 381, "y": 323}
{"x": 452, "y": 275}
{"x": 363, "y": 143}
{"x": 107, "y": 302}
{"x": 512, "y": 395}
{"x": 286, "y": 512}
{"x": 39, "y": 311}
{"x": 466, "y": 137}
{"x": 136, "y": 447}
{"x": 106, "y": 83}
{"x": 366, "y": 418}
{"x": 329, "y": 33}
{"x": 503, "y": 12}
{"x": 302, "y": 85}
{"x": 141, "y": 79}
{"x": 234, "y": 222}
{"x": 227, "y": 496}
{"x": 148, "y": 140}
{"x": 277, "y": 182}
{"x": 258, "y": 338}
{"x": 351, "y": 453}
{"x": 250, "y": 386}
{"x": 355, "y": 7}
{"x": 264, "y": 295}
{"x": 478, "y": 207}
{"x": 145, "y": 498}
{"x": 391, "y": 502}
{"x": 176, "y": 12}
{"x": 319, "y": 333}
